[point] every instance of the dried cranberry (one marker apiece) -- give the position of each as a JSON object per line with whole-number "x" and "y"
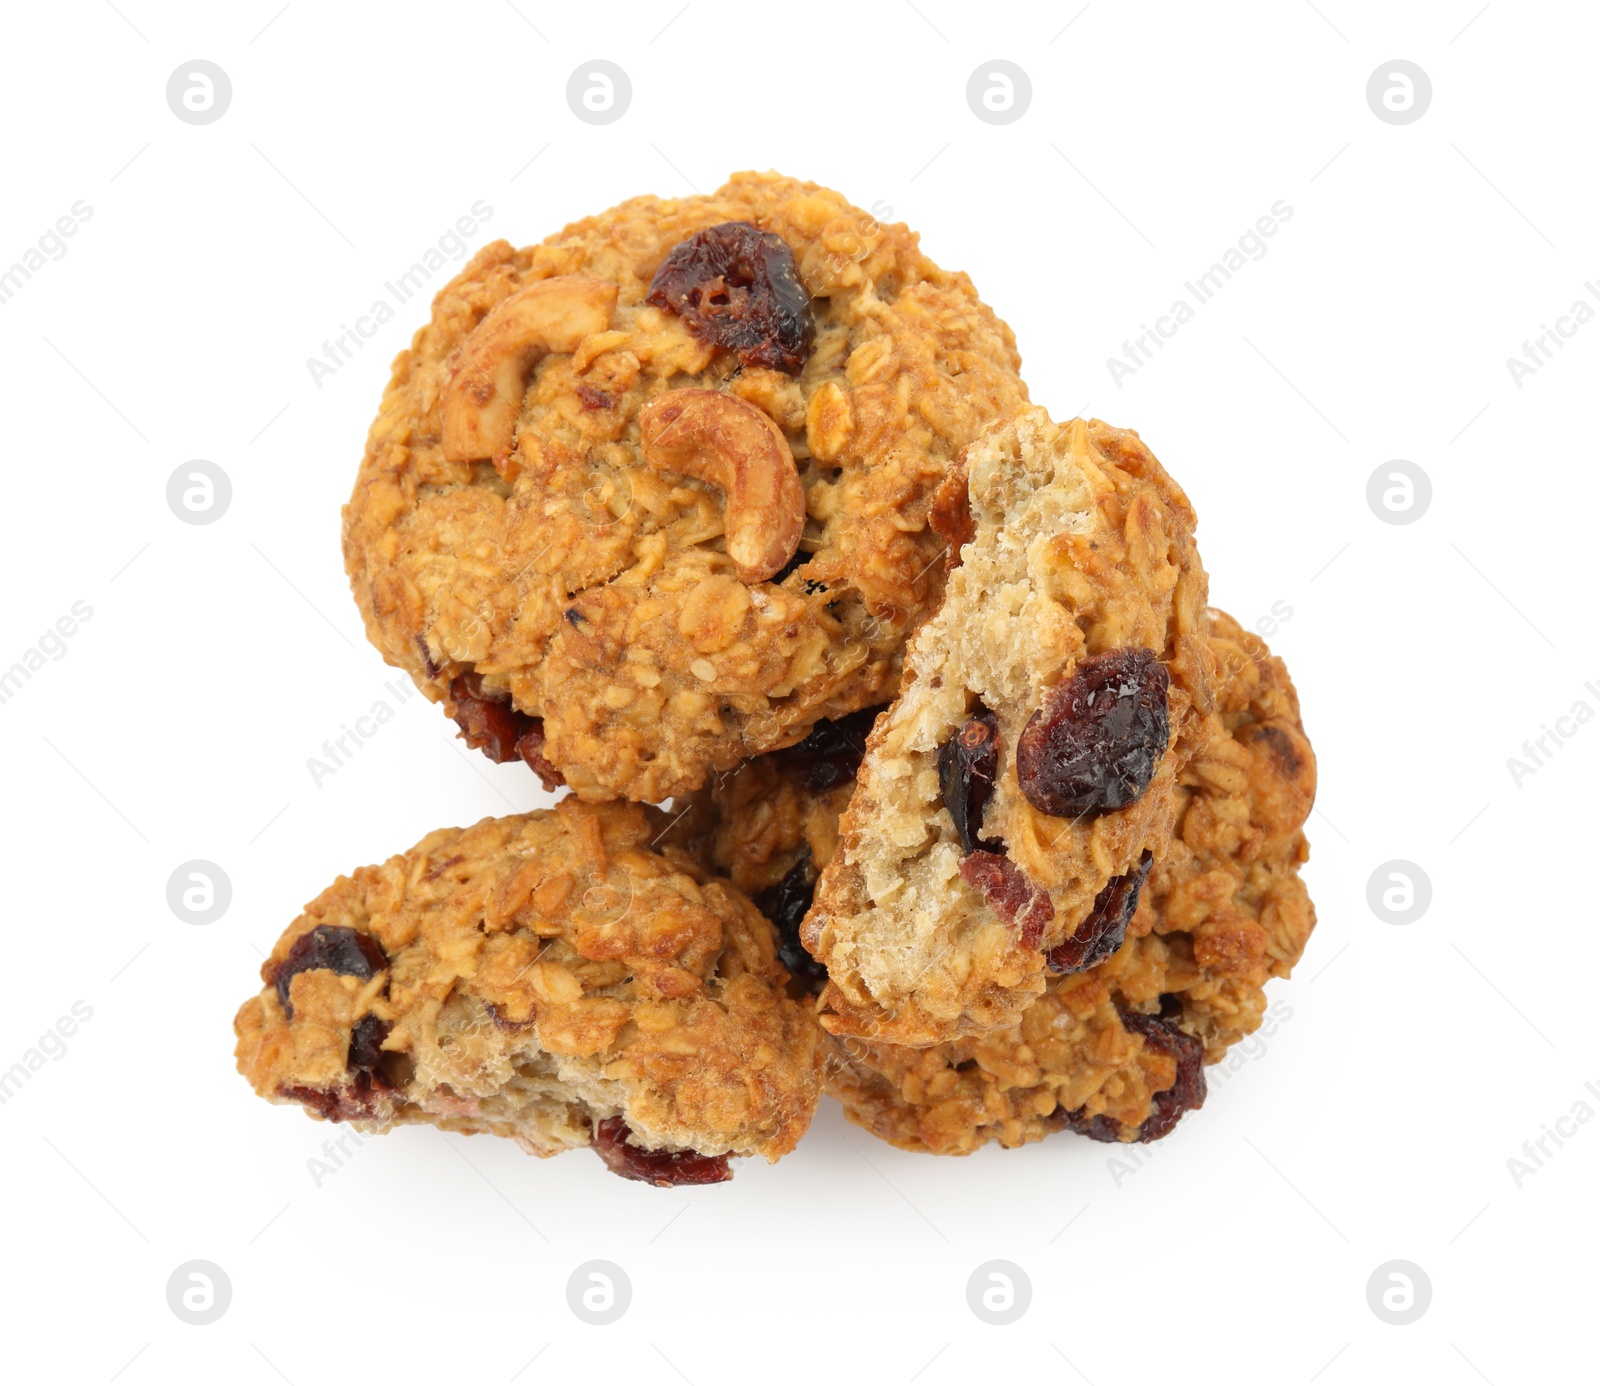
{"x": 1009, "y": 893}
{"x": 530, "y": 746}
{"x": 365, "y": 1099}
{"x": 491, "y": 725}
{"x": 663, "y": 1168}
{"x": 336, "y": 947}
{"x": 1094, "y": 744}
{"x": 967, "y": 763}
{"x": 735, "y": 286}
{"x": 591, "y": 399}
{"x": 1187, "y": 1092}
{"x": 831, "y": 753}
{"x": 1102, "y": 932}
{"x": 366, "y": 1043}
{"x": 785, "y": 904}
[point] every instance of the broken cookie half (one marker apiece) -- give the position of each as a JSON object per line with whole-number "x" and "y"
{"x": 1014, "y": 796}
{"x": 551, "y": 977}
{"x": 1117, "y": 1052}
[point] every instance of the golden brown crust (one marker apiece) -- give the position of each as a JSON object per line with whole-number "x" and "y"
{"x": 1082, "y": 544}
{"x": 1222, "y": 912}
{"x": 540, "y": 973}
{"x": 596, "y": 590}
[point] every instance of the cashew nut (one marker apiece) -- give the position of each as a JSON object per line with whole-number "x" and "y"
{"x": 727, "y": 442}
{"x": 489, "y": 371}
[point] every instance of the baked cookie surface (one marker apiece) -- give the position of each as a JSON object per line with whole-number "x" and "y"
{"x": 1114, "y": 1052}
{"x": 1028, "y": 773}
{"x": 651, "y": 496}
{"x": 551, "y": 977}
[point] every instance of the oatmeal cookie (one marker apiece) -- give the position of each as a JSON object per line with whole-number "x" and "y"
{"x": 1028, "y": 772}
{"x": 1116, "y": 1052}
{"x": 652, "y": 496}
{"x": 551, "y": 977}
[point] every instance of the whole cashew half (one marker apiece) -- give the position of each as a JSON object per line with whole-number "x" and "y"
{"x": 726, "y": 441}
{"x": 489, "y": 371}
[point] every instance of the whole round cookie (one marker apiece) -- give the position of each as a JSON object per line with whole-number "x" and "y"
{"x": 1016, "y": 792}
{"x": 652, "y": 496}
{"x": 1114, "y": 1052}
{"x": 551, "y": 977}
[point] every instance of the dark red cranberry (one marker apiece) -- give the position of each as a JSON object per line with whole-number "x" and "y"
{"x": 366, "y": 1044}
{"x": 1009, "y": 893}
{"x": 664, "y": 1168}
{"x": 1102, "y": 931}
{"x": 831, "y": 753}
{"x": 735, "y": 286}
{"x": 336, "y": 947}
{"x": 364, "y": 1099}
{"x": 492, "y": 725}
{"x": 530, "y": 747}
{"x": 967, "y": 764}
{"x": 1095, "y": 743}
{"x": 1187, "y": 1092}
{"x": 591, "y": 399}
{"x": 785, "y": 904}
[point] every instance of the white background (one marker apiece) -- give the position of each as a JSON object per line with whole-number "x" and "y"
{"x": 1375, "y": 1123}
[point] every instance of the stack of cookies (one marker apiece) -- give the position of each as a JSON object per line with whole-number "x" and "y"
{"x": 902, "y": 758}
